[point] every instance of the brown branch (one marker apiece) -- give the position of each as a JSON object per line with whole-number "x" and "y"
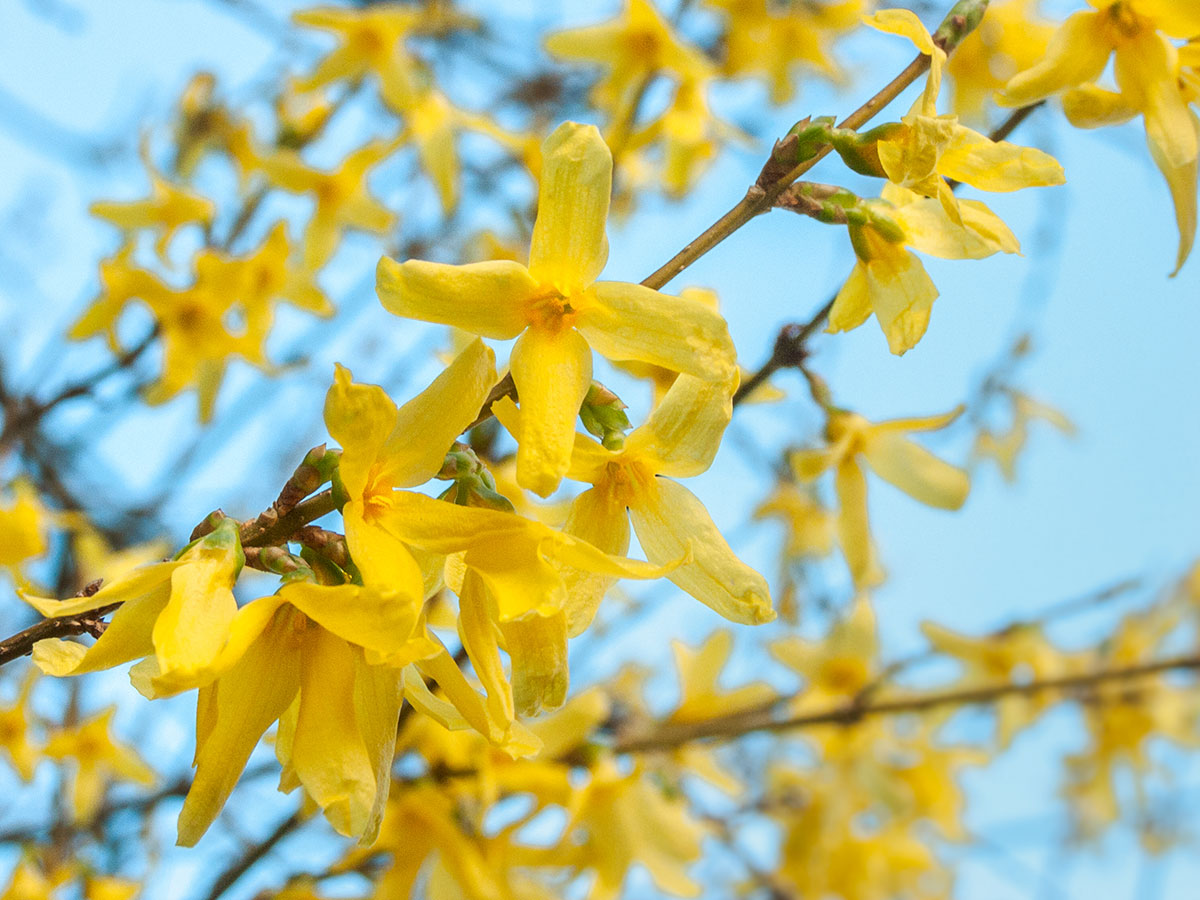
{"x": 21, "y": 643}
{"x": 252, "y": 855}
{"x": 668, "y": 735}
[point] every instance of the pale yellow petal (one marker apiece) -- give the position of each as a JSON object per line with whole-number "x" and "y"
{"x": 480, "y": 638}
{"x": 427, "y": 425}
{"x": 997, "y": 166}
{"x": 1090, "y": 106}
{"x": 552, "y": 373}
{"x": 599, "y": 517}
{"x": 915, "y": 470}
{"x": 569, "y": 246}
{"x": 670, "y": 522}
{"x": 684, "y": 431}
{"x": 902, "y": 296}
{"x": 377, "y": 700}
{"x": 632, "y": 322}
{"x": 486, "y": 298}
{"x": 852, "y": 305}
{"x": 537, "y": 646}
{"x": 854, "y": 533}
{"x": 239, "y": 708}
{"x": 1076, "y": 55}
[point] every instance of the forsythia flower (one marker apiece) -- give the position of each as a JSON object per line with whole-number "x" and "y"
{"x": 633, "y": 48}
{"x": 23, "y": 525}
{"x": 890, "y": 281}
{"x": 841, "y": 665}
{"x": 1147, "y": 70}
{"x": 558, "y": 308}
{"x": 176, "y": 614}
{"x": 893, "y": 458}
{"x": 927, "y": 148}
{"x": 98, "y": 759}
{"x": 342, "y": 198}
{"x": 14, "y": 732}
{"x": 770, "y": 39}
{"x": 1011, "y": 38}
{"x": 809, "y": 526}
{"x": 680, "y": 439}
{"x": 168, "y": 208}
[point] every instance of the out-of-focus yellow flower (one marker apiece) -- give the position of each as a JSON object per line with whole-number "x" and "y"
{"x": 892, "y": 457}
{"x": 770, "y": 40}
{"x": 699, "y": 669}
{"x": 1004, "y": 448}
{"x": 175, "y": 614}
{"x": 98, "y": 760}
{"x": 627, "y": 819}
{"x": 558, "y": 308}
{"x": 808, "y": 525}
{"x": 106, "y": 887}
{"x": 369, "y": 42}
{"x": 121, "y": 280}
{"x": 632, "y": 48}
{"x": 23, "y": 526}
{"x": 168, "y": 208}
{"x": 1016, "y": 655}
{"x": 680, "y": 439}
{"x": 841, "y": 665}
{"x": 14, "y": 732}
{"x": 341, "y": 197}
{"x": 1011, "y": 38}
{"x": 1147, "y": 70}
{"x": 28, "y": 882}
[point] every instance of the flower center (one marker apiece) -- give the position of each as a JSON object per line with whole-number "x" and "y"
{"x": 551, "y": 310}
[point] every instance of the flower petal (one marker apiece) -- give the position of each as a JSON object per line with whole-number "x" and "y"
{"x": 486, "y": 298}
{"x": 1076, "y": 55}
{"x": 480, "y": 638}
{"x": 232, "y": 715}
{"x": 684, "y": 431}
{"x": 915, "y": 470}
{"x": 852, "y": 305}
{"x": 569, "y": 247}
{"x": 359, "y": 417}
{"x": 854, "y": 534}
{"x": 990, "y": 165}
{"x": 630, "y": 321}
{"x": 599, "y": 517}
{"x": 427, "y": 425}
{"x": 552, "y": 373}
{"x": 537, "y": 646}
{"x": 383, "y": 621}
{"x": 670, "y": 522}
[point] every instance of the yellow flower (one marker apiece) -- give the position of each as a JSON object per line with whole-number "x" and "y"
{"x": 633, "y": 47}
{"x": 29, "y": 883}
{"x": 97, "y": 760}
{"x": 893, "y": 458}
{"x": 839, "y": 667}
{"x": 680, "y": 439}
{"x": 168, "y": 208}
{"x": 890, "y": 281}
{"x": 121, "y": 280}
{"x": 369, "y": 42}
{"x": 341, "y": 197}
{"x": 927, "y": 148}
{"x": 1147, "y": 70}
{"x": 699, "y": 669}
{"x": 14, "y": 732}
{"x": 770, "y": 40}
{"x": 175, "y": 614}
{"x": 23, "y": 525}
{"x": 809, "y": 526}
{"x": 1011, "y": 38}
{"x": 558, "y": 308}
{"x": 322, "y": 658}
{"x": 1004, "y": 448}
{"x": 269, "y": 275}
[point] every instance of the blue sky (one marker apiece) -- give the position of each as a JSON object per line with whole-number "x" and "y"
{"x": 1114, "y": 337}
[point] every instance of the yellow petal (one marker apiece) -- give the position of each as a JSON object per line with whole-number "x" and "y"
{"x": 1182, "y": 182}
{"x": 442, "y": 669}
{"x": 684, "y": 431}
{"x": 904, "y": 22}
{"x": 146, "y": 580}
{"x": 979, "y": 234}
{"x": 1178, "y": 19}
{"x": 1089, "y": 106}
{"x": 233, "y": 714}
{"x": 359, "y": 417}
{"x": 902, "y": 296}
{"x": 537, "y": 646}
{"x": 427, "y": 425}
{"x": 569, "y": 246}
{"x": 377, "y": 700}
{"x": 1145, "y": 71}
{"x": 486, "y": 298}
{"x": 589, "y": 458}
{"x": 670, "y": 522}
{"x": 632, "y": 322}
{"x": 854, "y": 533}
{"x": 599, "y": 517}
{"x": 990, "y": 165}
{"x": 552, "y": 373}
{"x": 479, "y": 633}
{"x": 328, "y": 752}
{"x": 193, "y": 627}
{"x": 1076, "y": 55}
{"x": 915, "y": 470}
{"x": 383, "y": 621}
{"x": 852, "y": 305}
{"x": 383, "y": 560}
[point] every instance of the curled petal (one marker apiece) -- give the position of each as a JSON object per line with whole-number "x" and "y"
{"x": 684, "y": 432}
{"x": 486, "y": 298}
{"x": 916, "y": 471}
